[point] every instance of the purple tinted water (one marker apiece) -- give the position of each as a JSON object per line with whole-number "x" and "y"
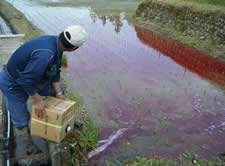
{"x": 128, "y": 82}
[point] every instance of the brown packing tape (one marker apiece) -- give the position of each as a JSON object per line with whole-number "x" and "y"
{"x": 49, "y": 124}
{"x": 54, "y": 133}
{"x": 68, "y": 114}
{"x": 55, "y": 116}
{"x": 38, "y": 129}
{"x": 65, "y": 101}
{"x": 59, "y": 104}
{"x": 59, "y": 114}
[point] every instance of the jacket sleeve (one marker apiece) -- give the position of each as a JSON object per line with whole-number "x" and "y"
{"x": 57, "y": 77}
{"x": 34, "y": 70}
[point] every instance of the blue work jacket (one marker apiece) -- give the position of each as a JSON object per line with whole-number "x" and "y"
{"x": 36, "y": 62}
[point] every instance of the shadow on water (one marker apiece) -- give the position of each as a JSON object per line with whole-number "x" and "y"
{"x": 165, "y": 94}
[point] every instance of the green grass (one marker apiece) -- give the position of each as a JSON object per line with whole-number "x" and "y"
{"x": 88, "y": 137}
{"x": 188, "y": 158}
{"x": 206, "y": 5}
{"x": 64, "y": 59}
{"x": 160, "y": 162}
{"x": 31, "y": 35}
{"x": 78, "y": 101}
{"x": 210, "y": 2}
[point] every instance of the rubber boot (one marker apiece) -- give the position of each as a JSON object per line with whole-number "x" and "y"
{"x": 25, "y": 147}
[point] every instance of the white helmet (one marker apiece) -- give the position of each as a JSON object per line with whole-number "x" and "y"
{"x": 75, "y": 35}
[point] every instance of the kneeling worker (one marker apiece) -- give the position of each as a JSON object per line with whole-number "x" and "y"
{"x": 34, "y": 70}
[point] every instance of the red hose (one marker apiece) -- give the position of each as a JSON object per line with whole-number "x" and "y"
{"x": 78, "y": 142}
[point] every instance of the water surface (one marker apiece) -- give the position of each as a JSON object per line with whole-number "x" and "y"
{"x": 4, "y": 28}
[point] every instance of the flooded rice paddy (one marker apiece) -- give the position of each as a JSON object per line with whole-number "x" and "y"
{"x": 166, "y": 97}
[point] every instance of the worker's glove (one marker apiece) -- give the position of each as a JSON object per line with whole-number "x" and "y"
{"x": 40, "y": 109}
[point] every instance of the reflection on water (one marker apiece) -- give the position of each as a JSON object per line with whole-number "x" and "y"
{"x": 191, "y": 59}
{"x": 131, "y": 78}
{"x": 115, "y": 20}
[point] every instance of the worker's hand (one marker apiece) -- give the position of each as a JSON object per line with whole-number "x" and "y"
{"x": 40, "y": 109}
{"x": 62, "y": 97}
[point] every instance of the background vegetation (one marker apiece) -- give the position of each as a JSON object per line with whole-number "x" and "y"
{"x": 212, "y": 5}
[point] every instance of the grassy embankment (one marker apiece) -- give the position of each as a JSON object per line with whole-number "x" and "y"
{"x": 153, "y": 162}
{"x": 199, "y": 4}
{"x": 188, "y": 158}
{"x": 160, "y": 162}
{"x": 88, "y": 135}
{"x": 216, "y": 51}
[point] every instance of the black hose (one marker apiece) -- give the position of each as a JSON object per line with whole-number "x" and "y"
{"x": 3, "y": 133}
{"x": 5, "y": 139}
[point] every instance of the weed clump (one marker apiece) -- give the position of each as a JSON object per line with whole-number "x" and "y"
{"x": 87, "y": 135}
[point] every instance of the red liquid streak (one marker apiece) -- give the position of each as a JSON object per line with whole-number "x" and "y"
{"x": 192, "y": 59}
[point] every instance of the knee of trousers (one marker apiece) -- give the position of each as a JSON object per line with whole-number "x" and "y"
{"x": 20, "y": 116}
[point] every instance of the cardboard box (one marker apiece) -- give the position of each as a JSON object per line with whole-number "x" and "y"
{"x": 59, "y": 115}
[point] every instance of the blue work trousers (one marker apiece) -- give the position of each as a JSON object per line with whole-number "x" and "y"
{"x": 16, "y": 99}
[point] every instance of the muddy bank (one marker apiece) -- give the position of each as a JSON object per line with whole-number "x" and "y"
{"x": 198, "y": 28}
